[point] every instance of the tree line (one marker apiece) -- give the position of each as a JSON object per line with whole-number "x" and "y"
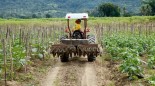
{"x": 112, "y": 10}
{"x": 24, "y": 16}
{"x": 105, "y": 9}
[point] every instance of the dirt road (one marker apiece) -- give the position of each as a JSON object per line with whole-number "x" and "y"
{"x": 78, "y": 72}
{"x": 51, "y": 76}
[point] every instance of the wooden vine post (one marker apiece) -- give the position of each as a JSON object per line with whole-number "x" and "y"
{"x": 11, "y": 62}
{"x": 4, "y": 53}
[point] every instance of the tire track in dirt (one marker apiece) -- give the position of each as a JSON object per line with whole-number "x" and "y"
{"x": 71, "y": 73}
{"x": 51, "y": 75}
{"x": 89, "y": 76}
{"x": 79, "y": 72}
{"x": 97, "y": 74}
{"x": 103, "y": 73}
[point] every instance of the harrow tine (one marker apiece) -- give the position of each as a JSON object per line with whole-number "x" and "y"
{"x": 80, "y": 50}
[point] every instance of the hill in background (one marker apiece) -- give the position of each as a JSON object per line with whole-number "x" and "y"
{"x": 57, "y": 8}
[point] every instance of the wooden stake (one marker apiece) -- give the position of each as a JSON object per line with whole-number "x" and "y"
{"x": 11, "y": 62}
{"x": 4, "y": 52}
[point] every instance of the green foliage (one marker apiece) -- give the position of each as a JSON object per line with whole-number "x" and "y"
{"x": 34, "y": 16}
{"x": 19, "y": 54}
{"x": 26, "y": 44}
{"x": 132, "y": 67}
{"x": 128, "y": 49}
{"x": 48, "y": 15}
{"x": 38, "y": 50}
{"x": 56, "y": 8}
{"x": 151, "y": 80}
{"x": 109, "y": 10}
{"x": 151, "y": 61}
{"x": 148, "y": 7}
{"x": 146, "y": 10}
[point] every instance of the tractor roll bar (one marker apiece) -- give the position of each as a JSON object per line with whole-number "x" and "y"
{"x": 85, "y": 27}
{"x": 68, "y": 27}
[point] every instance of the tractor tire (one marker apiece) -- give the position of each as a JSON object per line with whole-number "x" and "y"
{"x": 91, "y": 58}
{"x": 77, "y": 34}
{"x": 64, "y": 58}
{"x": 91, "y": 39}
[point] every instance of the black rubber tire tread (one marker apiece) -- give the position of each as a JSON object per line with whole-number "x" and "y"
{"x": 77, "y": 35}
{"x": 91, "y": 39}
{"x": 64, "y": 58}
{"x": 91, "y": 58}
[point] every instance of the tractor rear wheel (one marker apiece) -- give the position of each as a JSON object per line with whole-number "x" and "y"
{"x": 64, "y": 58}
{"x": 91, "y": 58}
{"x": 91, "y": 39}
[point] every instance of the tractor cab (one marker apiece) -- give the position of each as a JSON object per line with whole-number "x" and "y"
{"x": 77, "y": 33}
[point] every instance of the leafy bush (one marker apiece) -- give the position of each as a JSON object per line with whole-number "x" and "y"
{"x": 151, "y": 80}
{"x": 132, "y": 67}
{"x": 127, "y": 49}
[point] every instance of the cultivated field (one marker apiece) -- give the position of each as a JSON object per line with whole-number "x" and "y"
{"x": 128, "y": 57}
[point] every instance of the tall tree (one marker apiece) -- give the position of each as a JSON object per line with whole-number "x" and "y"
{"x": 34, "y": 16}
{"x": 109, "y": 10}
{"x": 48, "y": 15}
{"x": 148, "y": 7}
{"x": 146, "y": 10}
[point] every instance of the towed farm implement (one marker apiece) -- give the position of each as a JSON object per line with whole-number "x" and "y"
{"x": 76, "y": 42}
